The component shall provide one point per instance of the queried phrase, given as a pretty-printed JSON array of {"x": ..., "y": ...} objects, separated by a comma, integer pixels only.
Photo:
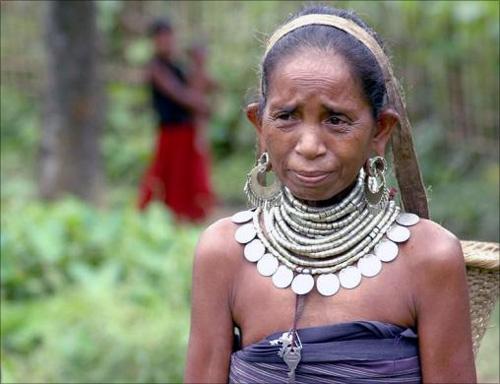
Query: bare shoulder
[
  {"x": 434, "y": 250},
  {"x": 217, "y": 246}
]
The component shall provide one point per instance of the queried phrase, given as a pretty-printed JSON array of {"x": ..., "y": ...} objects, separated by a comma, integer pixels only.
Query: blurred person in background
[{"x": 177, "y": 175}]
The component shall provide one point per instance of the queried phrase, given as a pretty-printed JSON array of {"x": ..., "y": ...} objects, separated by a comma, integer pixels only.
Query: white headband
[{"x": 346, "y": 25}]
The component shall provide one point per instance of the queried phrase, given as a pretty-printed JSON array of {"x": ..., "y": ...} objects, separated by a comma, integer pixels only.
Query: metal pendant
[
  {"x": 290, "y": 351},
  {"x": 291, "y": 357},
  {"x": 350, "y": 277},
  {"x": 386, "y": 250},
  {"x": 242, "y": 217},
  {"x": 282, "y": 277},
  {"x": 254, "y": 250},
  {"x": 398, "y": 234},
  {"x": 267, "y": 265},
  {"x": 245, "y": 233},
  {"x": 407, "y": 219},
  {"x": 327, "y": 284},
  {"x": 369, "y": 265},
  {"x": 302, "y": 284}
]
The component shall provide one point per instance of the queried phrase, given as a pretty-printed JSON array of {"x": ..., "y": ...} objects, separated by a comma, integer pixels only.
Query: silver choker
[{"x": 302, "y": 246}]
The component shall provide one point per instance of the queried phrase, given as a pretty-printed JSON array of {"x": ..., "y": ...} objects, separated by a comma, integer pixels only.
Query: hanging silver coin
[
  {"x": 302, "y": 284},
  {"x": 328, "y": 284},
  {"x": 267, "y": 265},
  {"x": 350, "y": 277},
  {"x": 369, "y": 265},
  {"x": 254, "y": 250},
  {"x": 282, "y": 277},
  {"x": 407, "y": 219},
  {"x": 386, "y": 250},
  {"x": 242, "y": 217},
  {"x": 398, "y": 234},
  {"x": 245, "y": 233}
]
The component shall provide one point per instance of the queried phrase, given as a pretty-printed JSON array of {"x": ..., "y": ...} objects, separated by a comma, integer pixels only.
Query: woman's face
[
  {"x": 317, "y": 125},
  {"x": 164, "y": 43}
]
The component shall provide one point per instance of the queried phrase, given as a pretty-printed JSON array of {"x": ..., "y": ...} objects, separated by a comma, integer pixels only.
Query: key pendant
[
  {"x": 291, "y": 357},
  {"x": 290, "y": 352}
]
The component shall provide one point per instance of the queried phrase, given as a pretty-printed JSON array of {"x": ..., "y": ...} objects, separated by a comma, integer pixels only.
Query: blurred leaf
[{"x": 139, "y": 52}]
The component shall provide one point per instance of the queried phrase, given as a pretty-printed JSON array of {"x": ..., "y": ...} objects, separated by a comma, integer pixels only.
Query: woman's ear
[
  {"x": 386, "y": 122},
  {"x": 252, "y": 111},
  {"x": 253, "y": 116}
]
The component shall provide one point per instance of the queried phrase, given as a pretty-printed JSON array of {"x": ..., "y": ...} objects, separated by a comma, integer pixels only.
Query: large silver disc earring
[
  {"x": 259, "y": 194},
  {"x": 376, "y": 192}
]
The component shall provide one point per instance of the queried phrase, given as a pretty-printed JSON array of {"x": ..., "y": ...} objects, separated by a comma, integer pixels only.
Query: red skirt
[{"x": 178, "y": 175}]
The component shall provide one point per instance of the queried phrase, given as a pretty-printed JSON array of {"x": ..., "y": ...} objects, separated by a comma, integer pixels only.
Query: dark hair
[
  {"x": 361, "y": 60},
  {"x": 159, "y": 26}
]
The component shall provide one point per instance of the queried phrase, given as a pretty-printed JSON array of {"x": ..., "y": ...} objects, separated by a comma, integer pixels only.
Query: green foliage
[
  {"x": 17, "y": 121},
  {"x": 105, "y": 294},
  {"x": 128, "y": 138},
  {"x": 488, "y": 368},
  {"x": 463, "y": 184},
  {"x": 126, "y": 144},
  {"x": 96, "y": 332},
  {"x": 139, "y": 52},
  {"x": 229, "y": 177}
]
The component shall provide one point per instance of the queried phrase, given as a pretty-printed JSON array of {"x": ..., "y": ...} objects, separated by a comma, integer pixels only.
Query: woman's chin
[
  {"x": 312, "y": 188},
  {"x": 320, "y": 196},
  {"x": 311, "y": 194}
]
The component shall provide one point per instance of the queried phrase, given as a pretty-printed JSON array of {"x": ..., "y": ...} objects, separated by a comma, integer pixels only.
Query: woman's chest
[{"x": 259, "y": 308}]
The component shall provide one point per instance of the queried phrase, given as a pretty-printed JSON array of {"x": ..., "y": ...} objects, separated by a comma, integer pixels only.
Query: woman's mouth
[{"x": 310, "y": 177}]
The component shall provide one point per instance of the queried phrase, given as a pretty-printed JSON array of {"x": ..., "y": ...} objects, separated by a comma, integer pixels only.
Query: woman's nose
[{"x": 310, "y": 144}]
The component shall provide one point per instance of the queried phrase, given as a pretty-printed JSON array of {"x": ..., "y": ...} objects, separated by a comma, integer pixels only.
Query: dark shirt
[{"x": 168, "y": 111}]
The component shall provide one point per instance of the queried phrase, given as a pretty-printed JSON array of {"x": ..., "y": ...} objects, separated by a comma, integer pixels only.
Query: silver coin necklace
[{"x": 329, "y": 248}]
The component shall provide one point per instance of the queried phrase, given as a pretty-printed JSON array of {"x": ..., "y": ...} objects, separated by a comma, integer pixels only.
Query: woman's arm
[
  {"x": 177, "y": 91},
  {"x": 211, "y": 336},
  {"x": 442, "y": 306}
]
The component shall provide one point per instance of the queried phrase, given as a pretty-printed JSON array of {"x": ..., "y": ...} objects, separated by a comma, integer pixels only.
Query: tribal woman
[{"x": 328, "y": 279}]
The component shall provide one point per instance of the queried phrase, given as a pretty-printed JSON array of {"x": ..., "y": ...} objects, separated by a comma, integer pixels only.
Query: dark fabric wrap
[{"x": 356, "y": 352}]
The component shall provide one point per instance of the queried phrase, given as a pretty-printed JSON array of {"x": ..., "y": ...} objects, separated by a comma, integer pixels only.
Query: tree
[{"x": 69, "y": 158}]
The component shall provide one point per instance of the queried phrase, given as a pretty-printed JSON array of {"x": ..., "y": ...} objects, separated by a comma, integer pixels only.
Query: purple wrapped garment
[{"x": 355, "y": 352}]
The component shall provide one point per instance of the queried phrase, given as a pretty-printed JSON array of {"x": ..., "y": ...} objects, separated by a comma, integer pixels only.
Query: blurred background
[{"x": 94, "y": 291}]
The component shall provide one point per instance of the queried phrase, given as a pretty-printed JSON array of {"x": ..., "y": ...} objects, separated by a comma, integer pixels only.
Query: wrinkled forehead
[{"x": 313, "y": 69}]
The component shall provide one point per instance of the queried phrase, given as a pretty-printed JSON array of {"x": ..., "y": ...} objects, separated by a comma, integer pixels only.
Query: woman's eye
[
  {"x": 284, "y": 116},
  {"x": 335, "y": 120}
]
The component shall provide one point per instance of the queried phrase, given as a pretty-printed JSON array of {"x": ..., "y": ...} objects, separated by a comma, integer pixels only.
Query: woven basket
[{"x": 482, "y": 261}]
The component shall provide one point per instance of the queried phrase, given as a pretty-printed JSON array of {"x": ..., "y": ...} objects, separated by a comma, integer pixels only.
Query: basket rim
[{"x": 481, "y": 254}]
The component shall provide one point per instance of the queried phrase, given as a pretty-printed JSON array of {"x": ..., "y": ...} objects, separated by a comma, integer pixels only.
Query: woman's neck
[{"x": 332, "y": 200}]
